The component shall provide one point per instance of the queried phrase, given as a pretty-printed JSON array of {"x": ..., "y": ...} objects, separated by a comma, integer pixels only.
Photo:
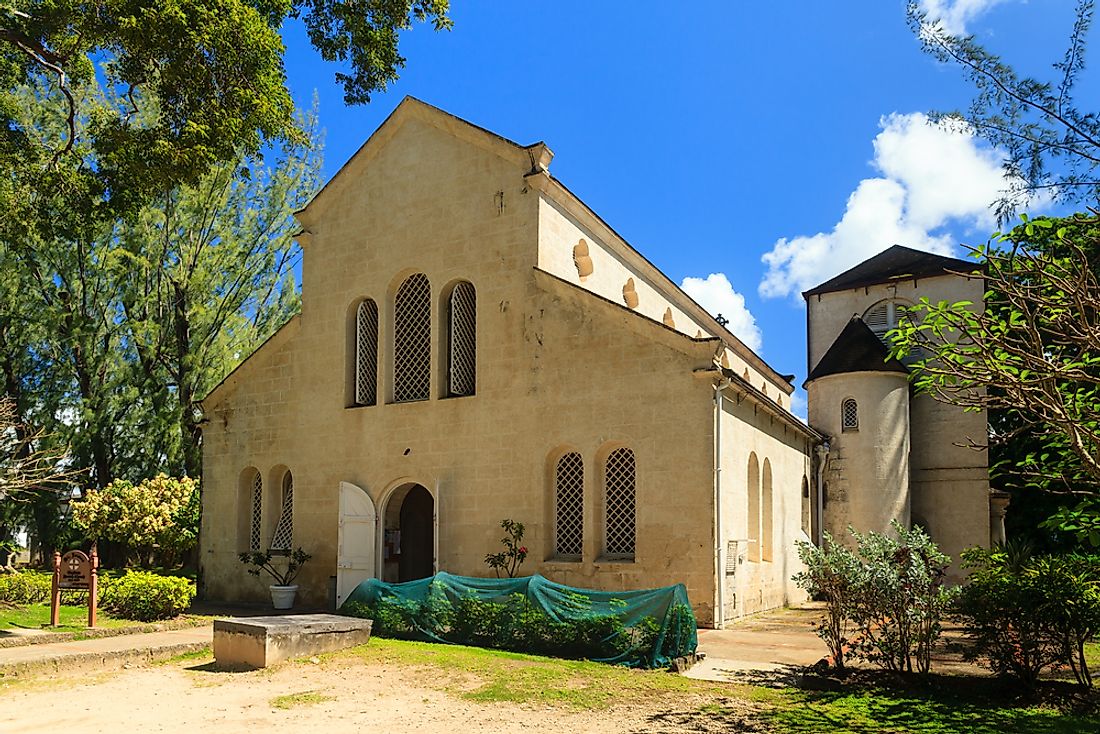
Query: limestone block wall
[
  {"x": 614, "y": 273},
  {"x": 758, "y": 450},
  {"x": 867, "y": 479},
  {"x": 601, "y": 378},
  {"x": 426, "y": 203}
]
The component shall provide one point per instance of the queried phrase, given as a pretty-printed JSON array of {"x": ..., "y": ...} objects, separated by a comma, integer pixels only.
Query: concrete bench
[{"x": 257, "y": 642}]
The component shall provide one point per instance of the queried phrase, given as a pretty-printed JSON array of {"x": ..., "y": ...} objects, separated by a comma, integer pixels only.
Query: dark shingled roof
[
  {"x": 894, "y": 263},
  {"x": 857, "y": 349}
]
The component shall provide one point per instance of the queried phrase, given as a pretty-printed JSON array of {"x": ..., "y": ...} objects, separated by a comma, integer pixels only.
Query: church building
[{"x": 476, "y": 344}]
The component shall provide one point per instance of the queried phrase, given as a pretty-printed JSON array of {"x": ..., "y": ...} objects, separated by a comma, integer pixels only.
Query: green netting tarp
[{"x": 534, "y": 615}]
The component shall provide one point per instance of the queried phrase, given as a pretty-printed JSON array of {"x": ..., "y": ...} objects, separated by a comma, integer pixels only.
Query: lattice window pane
[
  {"x": 619, "y": 503},
  {"x": 366, "y": 353},
  {"x": 412, "y": 347},
  {"x": 569, "y": 501},
  {"x": 849, "y": 414},
  {"x": 255, "y": 527},
  {"x": 463, "y": 344},
  {"x": 284, "y": 530}
]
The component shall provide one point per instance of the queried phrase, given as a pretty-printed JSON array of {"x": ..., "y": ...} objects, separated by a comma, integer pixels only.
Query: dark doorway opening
[{"x": 417, "y": 524}]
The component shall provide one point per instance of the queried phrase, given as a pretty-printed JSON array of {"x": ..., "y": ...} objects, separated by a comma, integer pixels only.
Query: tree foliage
[
  {"x": 1033, "y": 351},
  {"x": 157, "y": 514},
  {"x": 1050, "y": 144},
  {"x": 209, "y": 73},
  {"x": 114, "y": 338}
]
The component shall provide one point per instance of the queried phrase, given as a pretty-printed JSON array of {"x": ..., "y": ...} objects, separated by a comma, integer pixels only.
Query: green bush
[
  {"x": 1024, "y": 615},
  {"x": 884, "y": 601},
  {"x": 25, "y": 587},
  {"x": 147, "y": 597}
]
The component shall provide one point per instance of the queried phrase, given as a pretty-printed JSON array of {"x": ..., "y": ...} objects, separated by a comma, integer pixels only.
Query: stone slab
[{"x": 257, "y": 642}]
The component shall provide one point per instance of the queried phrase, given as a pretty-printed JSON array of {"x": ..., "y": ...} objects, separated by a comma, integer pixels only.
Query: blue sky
[{"x": 715, "y": 135}]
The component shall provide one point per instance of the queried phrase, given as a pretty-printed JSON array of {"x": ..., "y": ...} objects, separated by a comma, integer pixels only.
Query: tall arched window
[
  {"x": 412, "y": 340},
  {"x": 283, "y": 536},
  {"x": 366, "y": 353},
  {"x": 849, "y": 415},
  {"x": 462, "y": 340},
  {"x": 806, "y": 507},
  {"x": 753, "y": 489},
  {"x": 250, "y": 510},
  {"x": 569, "y": 506},
  {"x": 256, "y": 513},
  {"x": 619, "y": 504},
  {"x": 766, "y": 514}
]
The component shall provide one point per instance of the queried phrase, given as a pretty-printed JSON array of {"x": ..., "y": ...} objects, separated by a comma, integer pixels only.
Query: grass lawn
[
  {"x": 946, "y": 707},
  {"x": 35, "y": 616}
]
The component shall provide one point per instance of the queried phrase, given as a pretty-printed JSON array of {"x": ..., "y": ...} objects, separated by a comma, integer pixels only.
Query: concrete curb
[{"x": 97, "y": 661}]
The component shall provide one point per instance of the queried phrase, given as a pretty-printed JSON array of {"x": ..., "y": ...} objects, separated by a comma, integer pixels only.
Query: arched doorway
[{"x": 409, "y": 538}]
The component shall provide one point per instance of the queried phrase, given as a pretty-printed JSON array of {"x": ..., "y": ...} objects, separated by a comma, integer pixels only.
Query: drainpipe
[
  {"x": 822, "y": 451},
  {"x": 720, "y": 571}
]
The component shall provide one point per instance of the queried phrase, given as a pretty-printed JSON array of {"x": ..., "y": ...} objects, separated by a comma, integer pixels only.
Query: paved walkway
[
  {"x": 104, "y": 652},
  {"x": 772, "y": 649}
]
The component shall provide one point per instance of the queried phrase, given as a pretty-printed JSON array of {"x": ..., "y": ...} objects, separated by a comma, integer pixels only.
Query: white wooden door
[{"x": 355, "y": 553}]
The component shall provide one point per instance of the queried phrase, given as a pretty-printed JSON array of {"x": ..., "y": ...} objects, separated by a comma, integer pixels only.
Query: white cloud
[
  {"x": 932, "y": 176},
  {"x": 953, "y": 15},
  {"x": 716, "y": 295}
]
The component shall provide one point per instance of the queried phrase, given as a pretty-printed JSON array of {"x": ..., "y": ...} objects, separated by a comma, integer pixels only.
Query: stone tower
[
  {"x": 859, "y": 396},
  {"x": 892, "y": 455}
]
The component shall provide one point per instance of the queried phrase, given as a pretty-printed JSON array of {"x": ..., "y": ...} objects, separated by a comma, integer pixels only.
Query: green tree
[
  {"x": 210, "y": 71},
  {"x": 154, "y": 516},
  {"x": 112, "y": 337},
  {"x": 1030, "y": 353},
  {"x": 1050, "y": 144}
]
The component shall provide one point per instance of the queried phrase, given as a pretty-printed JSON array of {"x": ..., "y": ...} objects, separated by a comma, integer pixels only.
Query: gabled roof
[
  {"x": 857, "y": 349},
  {"x": 894, "y": 263},
  {"x": 536, "y": 156}
]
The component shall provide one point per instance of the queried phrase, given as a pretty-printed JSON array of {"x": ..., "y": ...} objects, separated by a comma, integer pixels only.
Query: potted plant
[{"x": 284, "y": 588}]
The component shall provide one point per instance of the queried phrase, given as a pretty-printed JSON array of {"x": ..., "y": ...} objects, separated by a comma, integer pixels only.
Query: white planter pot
[{"x": 282, "y": 597}]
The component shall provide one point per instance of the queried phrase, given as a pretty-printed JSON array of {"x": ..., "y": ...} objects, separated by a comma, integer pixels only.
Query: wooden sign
[{"x": 75, "y": 570}]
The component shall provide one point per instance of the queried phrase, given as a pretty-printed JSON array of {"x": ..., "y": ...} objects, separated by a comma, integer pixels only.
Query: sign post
[{"x": 75, "y": 570}]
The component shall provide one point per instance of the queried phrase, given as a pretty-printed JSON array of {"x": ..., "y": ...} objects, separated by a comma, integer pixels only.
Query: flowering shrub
[
  {"x": 511, "y": 558},
  {"x": 157, "y": 514}
]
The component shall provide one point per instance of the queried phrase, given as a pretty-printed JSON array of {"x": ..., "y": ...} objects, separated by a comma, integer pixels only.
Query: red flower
[{"x": 523, "y": 550}]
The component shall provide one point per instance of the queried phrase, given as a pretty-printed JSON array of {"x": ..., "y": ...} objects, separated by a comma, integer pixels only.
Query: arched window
[
  {"x": 366, "y": 353},
  {"x": 256, "y": 513},
  {"x": 753, "y": 489},
  {"x": 412, "y": 340},
  {"x": 619, "y": 504},
  {"x": 250, "y": 510},
  {"x": 883, "y": 316},
  {"x": 462, "y": 340},
  {"x": 283, "y": 536},
  {"x": 766, "y": 516},
  {"x": 569, "y": 506},
  {"x": 849, "y": 415}
]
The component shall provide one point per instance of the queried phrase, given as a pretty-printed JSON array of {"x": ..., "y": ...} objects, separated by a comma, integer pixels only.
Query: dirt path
[{"x": 341, "y": 696}]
